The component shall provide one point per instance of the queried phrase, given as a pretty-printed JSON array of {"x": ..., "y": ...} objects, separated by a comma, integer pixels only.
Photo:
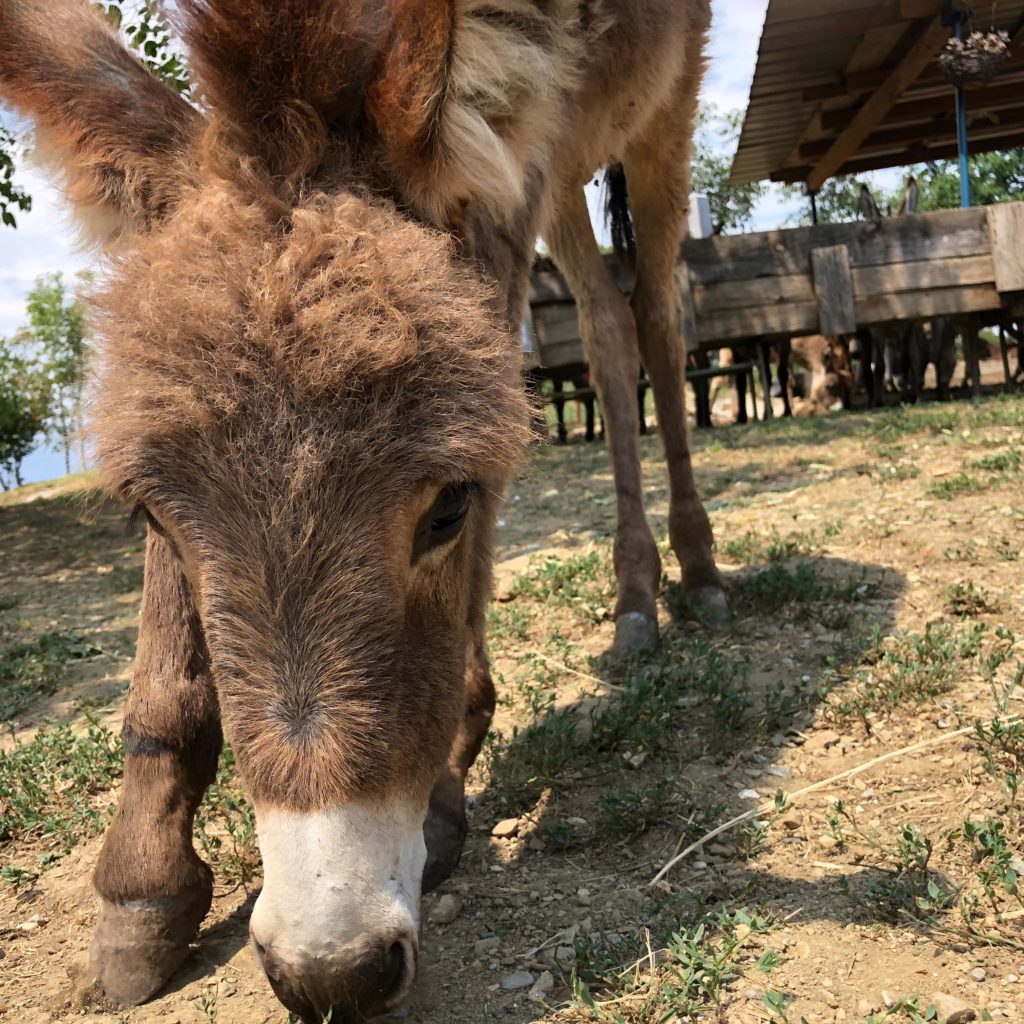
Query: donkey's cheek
[{"x": 337, "y": 882}]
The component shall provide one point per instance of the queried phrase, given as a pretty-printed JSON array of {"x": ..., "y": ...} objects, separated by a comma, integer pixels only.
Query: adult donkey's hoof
[
  {"x": 444, "y": 832},
  {"x": 139, "y": 944},
  {"x": 634, "y": 632},
  {"x": 710, "y": 605}
]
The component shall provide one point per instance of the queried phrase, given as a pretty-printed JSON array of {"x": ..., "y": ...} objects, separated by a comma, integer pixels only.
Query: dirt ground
[{"x": 872, "y": 563}]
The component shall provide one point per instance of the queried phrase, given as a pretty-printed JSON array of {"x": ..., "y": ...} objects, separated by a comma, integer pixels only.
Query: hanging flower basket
[{"x": 974, "y": 61}]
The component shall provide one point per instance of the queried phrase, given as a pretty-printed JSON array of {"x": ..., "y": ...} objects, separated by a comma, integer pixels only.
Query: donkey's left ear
[
  {"x": 407, "y": 91},
  {"x": 121, "y": 142}
]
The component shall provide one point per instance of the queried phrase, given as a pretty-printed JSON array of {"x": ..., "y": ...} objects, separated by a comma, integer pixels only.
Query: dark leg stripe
[{"x": 145, "y": 746}]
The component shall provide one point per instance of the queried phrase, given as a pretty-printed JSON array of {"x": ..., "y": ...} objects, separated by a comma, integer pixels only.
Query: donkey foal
[{"x": 308, "y": 385}]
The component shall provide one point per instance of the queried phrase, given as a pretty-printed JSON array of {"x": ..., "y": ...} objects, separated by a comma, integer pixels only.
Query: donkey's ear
[
  {"x": 122, "y": 142},
  {"x": 406, "y": 95}
]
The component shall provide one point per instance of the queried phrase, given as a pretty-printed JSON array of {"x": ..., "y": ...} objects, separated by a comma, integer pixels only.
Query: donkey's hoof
[
  {"x": 710, "y": 605},
  {"x": 444, "y": 832},
  {"x": 634, "y": 632},
  {"x": 139, "y": 944}
]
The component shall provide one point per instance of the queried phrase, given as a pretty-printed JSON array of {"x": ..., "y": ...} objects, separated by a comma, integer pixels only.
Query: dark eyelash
[{"x": 135, "y": 518}]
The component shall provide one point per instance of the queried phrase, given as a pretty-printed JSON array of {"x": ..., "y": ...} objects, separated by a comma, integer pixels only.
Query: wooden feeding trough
[{"x": 833, "y": 279}]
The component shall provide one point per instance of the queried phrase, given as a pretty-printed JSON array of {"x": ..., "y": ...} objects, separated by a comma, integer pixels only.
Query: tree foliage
[
  {"x": 54, "y": 344},
  {"x": 22, "y": 412},
  {"x": 144, "y": 27},
  {"x": 996, "y": 177},
  {"x": 714, "y": 142}
]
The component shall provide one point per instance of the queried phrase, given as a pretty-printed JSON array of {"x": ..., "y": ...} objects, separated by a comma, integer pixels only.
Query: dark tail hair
[{"x": 618, "y": 216}]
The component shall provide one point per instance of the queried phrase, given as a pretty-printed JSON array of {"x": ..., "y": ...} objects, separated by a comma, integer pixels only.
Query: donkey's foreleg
[
  {"x": 609, "y": 340},
  {"x": 153, "y": 889},
  {"x": 445, "y": 828},
  {"x": 657, "y": 169}
]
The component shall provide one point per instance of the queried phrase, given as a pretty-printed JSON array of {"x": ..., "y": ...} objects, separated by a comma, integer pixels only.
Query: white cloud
[{"x": 44, "y": 241}]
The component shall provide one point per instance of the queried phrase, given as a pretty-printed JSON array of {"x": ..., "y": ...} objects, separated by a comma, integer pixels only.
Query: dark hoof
[
  {"x": 710, "y": 605},
  {"x": 445, "y": 835},
  {"x": 139, "y": 944},
  {"x": 634, "y": 632}
]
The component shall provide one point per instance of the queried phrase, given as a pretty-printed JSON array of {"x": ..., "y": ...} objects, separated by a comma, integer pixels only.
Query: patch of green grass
[
  {"x": 639, "y": 718},
  {"x": 52, "y": 788},
  {"x": 225, "y": 825},
  {"x": 36, "y": 669},
  {"x": 953, "y": 487},
  {"x": 908, "y": 668},
  {"x": 583, "y": 584},
  {"x": 965, "y": 600},
  {"x": 1002, "y": 462},
  {"x": 627, "y": 812},
  {"x": 800, "y": 588},
  {"x": 687, "y": 975},
  {"x": 753, "y": 547}
]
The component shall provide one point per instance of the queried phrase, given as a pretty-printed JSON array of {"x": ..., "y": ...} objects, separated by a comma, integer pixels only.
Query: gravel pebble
[
  {"x": 506, "y": 828},
  {"x": 979, "y": 974},
  {"x": 446, "y": 909},
  {"x": 516, "y": 980}
]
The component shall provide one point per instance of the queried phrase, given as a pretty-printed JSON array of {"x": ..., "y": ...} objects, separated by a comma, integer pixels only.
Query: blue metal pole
[{"x": 961, "y": 134}]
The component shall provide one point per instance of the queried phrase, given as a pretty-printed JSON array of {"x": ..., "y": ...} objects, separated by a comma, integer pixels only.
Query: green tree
[
  {"x": 714, "y": 142},
  {"x": 838, "y": 199},
  {"x": 22, "y": 413},
  {"x": 996, "y": 177},
  {"x": 54, "y": 341},
  {"x": 144, "y": 26}
]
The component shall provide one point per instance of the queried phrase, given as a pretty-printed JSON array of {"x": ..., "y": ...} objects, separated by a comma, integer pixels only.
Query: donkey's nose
[{"x": 341, "y": 988}]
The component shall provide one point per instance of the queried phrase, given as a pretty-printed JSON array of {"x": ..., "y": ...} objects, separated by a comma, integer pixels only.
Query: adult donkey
[{"x": 308, "y": 386}]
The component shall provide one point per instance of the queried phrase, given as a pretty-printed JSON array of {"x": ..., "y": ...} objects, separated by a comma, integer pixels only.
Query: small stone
[
  {"x": 576, "y": 822},
  {"x": 34, "y": 923},
  {"x": 827, "y": 842},
  {"x": 446, "y": 909},
  {"x": 888, "y": 999},
  {"x": 517, "y": 980},
  {"x": 583, "y": 897},
  {"x": 979, "y": 974},
  {"x": 792, "y": 820},
  {"x": 488, "y": 945},
  {"x": 951, "y": 1010},
  {"x": 506, "y": 828},
  {"x": 749, "y": 794},
  {"x": 866, "y": 1008},
  {"x": 781, "y": 771},
  {"x": 542, "y": 986},
  {"x": 637, "y": 760},
  {"x": 565, "y": 955}
]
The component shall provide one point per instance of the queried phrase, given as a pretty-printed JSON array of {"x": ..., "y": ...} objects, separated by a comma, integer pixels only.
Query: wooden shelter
[{"x": 846, "y": 86}]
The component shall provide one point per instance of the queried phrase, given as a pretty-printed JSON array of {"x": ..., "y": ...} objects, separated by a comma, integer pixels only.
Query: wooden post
[
  {"x": 1005, "y": 353},
  {"x": 833, "y": 288},
  {"x": 766, "y": 379}
]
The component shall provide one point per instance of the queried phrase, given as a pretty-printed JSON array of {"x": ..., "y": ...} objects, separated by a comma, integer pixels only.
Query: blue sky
[{"x": 45, "y": 241}]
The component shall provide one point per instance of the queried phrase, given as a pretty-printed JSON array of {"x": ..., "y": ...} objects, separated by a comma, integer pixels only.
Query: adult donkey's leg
[
  {"x": 609, "y": 340},
  {"x": 154, "y": 890},
  {"x": 657, "y": 172}
]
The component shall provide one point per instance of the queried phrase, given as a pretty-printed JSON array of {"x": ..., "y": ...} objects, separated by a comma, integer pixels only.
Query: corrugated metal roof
[{"x": 820, "y": 61}]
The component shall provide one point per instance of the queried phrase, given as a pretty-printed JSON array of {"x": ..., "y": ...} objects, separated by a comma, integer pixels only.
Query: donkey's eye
[{"x": 445, "y": 519}]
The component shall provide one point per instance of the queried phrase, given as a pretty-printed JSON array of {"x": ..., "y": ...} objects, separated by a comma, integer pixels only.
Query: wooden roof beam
[
  {"x": 880, "y": 102},
  {"x": 989, "y": 98}
]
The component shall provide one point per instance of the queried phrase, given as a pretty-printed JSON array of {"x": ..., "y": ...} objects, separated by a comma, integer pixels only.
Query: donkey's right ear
[{"x": 122, "y": 143}]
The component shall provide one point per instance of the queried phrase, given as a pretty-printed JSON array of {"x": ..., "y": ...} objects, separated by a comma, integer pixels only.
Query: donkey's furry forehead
[{"x": 345, "y": 325}]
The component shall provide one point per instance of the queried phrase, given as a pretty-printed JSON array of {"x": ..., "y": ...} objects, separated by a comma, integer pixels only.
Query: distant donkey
[{"x": 309, "y": 386}]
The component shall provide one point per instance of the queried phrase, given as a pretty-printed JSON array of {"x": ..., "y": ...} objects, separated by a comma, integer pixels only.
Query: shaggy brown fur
[
  {"x": 277, "y": 402},
  {"x": 299, "y": 352}
]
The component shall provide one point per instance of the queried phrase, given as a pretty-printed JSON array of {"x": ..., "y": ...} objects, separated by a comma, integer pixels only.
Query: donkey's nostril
[{"x": 392, "y": 977}]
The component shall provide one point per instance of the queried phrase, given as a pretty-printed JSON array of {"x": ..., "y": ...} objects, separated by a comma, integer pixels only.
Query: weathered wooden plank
[
  {"x": 758, "y": 291},
  {"x": 688, "y": 317},
  {"x": 944, "y": 235},
  {"x": 935, "y": 302},
  {"x": 741, "y": 324},
  {"x": 1006, "y": 225},
  {"x": 833, "y": 288},
  {"x": 922, "y": 274}
]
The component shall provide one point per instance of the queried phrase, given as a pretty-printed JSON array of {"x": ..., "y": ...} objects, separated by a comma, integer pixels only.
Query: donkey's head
[{"x": 315, "y": 407}]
